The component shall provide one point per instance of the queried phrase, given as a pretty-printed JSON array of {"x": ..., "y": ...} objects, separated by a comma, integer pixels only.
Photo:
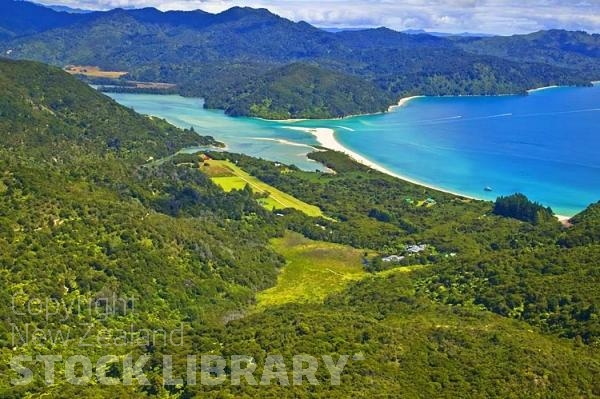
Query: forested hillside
[
  {"x": 302, "y": 91},
  {"x": 234, "y": 58},
  {"x": 92, "y": 205},
  {"x": 577, "y": 50},
  {"x": 82, "y": 218}
]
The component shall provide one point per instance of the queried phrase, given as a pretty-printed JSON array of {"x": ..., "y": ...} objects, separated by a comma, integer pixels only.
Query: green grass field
[
  {"x": 314, "y": 270},
  {"x": 230, "y": 177},
  {"x": 229, "y": 183}
]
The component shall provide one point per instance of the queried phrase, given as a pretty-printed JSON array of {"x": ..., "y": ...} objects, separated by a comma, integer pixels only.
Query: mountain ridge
[{"x": 217, "y": 56}]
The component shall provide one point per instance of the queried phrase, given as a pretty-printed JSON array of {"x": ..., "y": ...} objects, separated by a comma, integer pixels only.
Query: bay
[{"x": 545, "y": 145}]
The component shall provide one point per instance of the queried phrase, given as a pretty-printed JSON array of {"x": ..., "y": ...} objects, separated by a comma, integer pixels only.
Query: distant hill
[
  {"x": 304, "y": 91},
  {"x": 18, "y": 18},
  {"x": 225, "y": 57},
  {"x": 337, "y": 30},
  {"x": 565, "y": 49},
  {"x": 444, "y": 34},
  {"x": 69, "y": 9}
]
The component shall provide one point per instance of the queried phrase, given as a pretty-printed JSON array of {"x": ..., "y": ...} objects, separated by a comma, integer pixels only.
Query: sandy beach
[
  {"x": 542, "y": 88},
  {"x": 403, "y": 102}
]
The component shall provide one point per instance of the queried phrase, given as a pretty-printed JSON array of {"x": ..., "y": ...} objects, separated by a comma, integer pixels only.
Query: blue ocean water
[{"x": 545, "y": 145}]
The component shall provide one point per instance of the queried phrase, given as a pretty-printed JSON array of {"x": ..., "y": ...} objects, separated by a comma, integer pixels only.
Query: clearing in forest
[
  {"x": 231, "y": 177},
  {"x": 314, "y": 270}
]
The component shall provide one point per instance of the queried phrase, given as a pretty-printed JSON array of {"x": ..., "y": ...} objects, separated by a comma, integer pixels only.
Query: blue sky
[{"x": 486, "y": 16}]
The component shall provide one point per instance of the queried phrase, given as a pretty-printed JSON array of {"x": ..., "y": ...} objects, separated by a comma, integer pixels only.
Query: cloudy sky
[{"x": 485, "y": 16}]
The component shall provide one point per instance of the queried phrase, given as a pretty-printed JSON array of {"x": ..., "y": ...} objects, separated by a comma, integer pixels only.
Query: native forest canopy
[
  {"x": 95, "y": 203},
  {"x": 252, "y": 62},
  {"x": 122, "y": 235}
]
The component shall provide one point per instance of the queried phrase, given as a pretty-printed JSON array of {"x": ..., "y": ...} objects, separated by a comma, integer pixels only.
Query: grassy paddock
[
  {"x": 94, "y": 72},
  {"x": 229, "y": 183},
  {"x": 230, "y": 177},
  {"x": 314, "y": 270}
]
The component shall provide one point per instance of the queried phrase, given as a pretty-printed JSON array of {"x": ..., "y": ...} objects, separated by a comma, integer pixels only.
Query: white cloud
[{"x": 488, "y": 16}]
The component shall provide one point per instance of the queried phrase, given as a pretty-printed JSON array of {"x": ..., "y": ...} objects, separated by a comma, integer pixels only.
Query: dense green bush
[{"x": 92, "y": 203}]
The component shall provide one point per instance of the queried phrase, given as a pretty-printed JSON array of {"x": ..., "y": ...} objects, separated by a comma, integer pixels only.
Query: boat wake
[
  {"x": 496, "y": 116},
  {"x": 448, "y": 118}
]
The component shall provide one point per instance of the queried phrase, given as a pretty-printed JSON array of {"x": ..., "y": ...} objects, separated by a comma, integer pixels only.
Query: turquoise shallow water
[
  {"x": 546, "y": 145},
  {"x": 256, "y": 137}
]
